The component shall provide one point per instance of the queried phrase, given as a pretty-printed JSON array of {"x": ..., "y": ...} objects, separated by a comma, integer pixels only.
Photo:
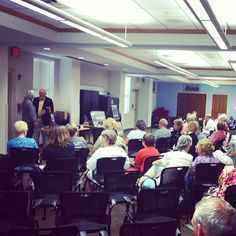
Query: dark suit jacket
[{"x": 48, "y": 103}]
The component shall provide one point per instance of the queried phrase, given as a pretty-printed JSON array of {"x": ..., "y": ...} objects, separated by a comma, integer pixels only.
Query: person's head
[
  {"x": 214, "y": 217},
  {"x": 110, "y": 124},
  {"x": 184, "y": 143},
  {"x": 21, "y": 128},
  {"x": 220, "y": 126},
  {"x": 193, "y": 126},
  {"x": 222, "y": 117},
  {"x": 191, "y": 117},
  {"x": 42, "y": 93},
  {"x": 72, "y": 128},
  {"x": 140, "y": 124},
  {"x": 205, "y": 147},
  {"x": 60, "y": 136},
  {"x": 30, "y": 94},
  {"x": 207, "y": 117},
  {"x": 108, "y": 137},
  {"x": 149, "y": 139},
  {"x": 163, "y": 123},
  {"x": 178, "y": 124}
]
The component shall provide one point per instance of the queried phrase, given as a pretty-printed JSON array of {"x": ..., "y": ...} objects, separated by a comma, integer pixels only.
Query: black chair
[
  {"x": 47, "y": 187},
  {"x": 24, "y": 159},
  {"x": 219, "y": 144},
  {"x": 153, "y": 203},
  {"x": 87, "y": 211},
  {"x": 121, "y": 186},
  {"x": 134, "y": 145},
  {"x": 82, "y": 155},
  {"x": 59, "y": 231},
  {"x": 166, "y": 226},
  {"x": 66, "y": 165},
  {"x": 230, "y": 195},
  {"x": 148, "y": 162},
  {"x": 162, "y": 145},
  {"x": 15, "y": 209},
  {"x": 105, "y": 165}
]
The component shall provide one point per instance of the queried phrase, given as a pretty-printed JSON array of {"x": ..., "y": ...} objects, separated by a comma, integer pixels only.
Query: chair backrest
[
  {"x": 82, "y": 155},
  {"x": 24, "y": 156},
  {"x": 173, "y": 176},
  {"x": 162, "y": 144},
  {"x": 52, "y": 182},
  {"x": 134, "y": 145},
  {"x": 219, "y": 144},
  {"x": 59, "y": 231},
  {"x": 161, "y": 201},
  {"x": 121, "y": 182},
  {"x": 165, "y": 227},
  {"x": 84, "y": 205},
  {"x": 209, "y": 172},
  {"x": 5, "y": 178},
  {"x": 13, "y": 204},
  {"x": 109, "y": 164},
  {"x": 148, "y": 162},
  {"x": 230, "y": 195}
]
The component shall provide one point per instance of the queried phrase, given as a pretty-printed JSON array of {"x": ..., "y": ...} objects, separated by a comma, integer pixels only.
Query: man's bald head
[{"x": 42, "y": 93}]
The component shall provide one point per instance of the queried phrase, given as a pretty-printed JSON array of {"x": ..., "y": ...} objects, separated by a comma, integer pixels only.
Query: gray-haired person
[
  {"x": 29, "y": 113},
  {"x": 214, "y": 217}
]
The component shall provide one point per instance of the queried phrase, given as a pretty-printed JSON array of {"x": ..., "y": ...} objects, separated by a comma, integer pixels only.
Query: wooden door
[
  {"x": 188, "y": 102},
  {"x": 219, "y": 104}
]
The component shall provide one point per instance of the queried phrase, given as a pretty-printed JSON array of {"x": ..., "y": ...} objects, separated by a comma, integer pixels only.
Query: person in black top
[{"x": 175, "y": 133}]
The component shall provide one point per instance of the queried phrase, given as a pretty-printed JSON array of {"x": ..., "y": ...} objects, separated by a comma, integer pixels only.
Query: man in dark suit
[{"x": 44, "y": 106}]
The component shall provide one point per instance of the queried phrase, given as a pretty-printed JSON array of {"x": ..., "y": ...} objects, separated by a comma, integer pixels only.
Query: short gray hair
[
  {"x": 30, "y": 94},
  {"x": 110, "y": 136},
  {"x": 184, "y": 141},
  {"x": 163, "y": 122},
  {"x": 217, "y": 216}
]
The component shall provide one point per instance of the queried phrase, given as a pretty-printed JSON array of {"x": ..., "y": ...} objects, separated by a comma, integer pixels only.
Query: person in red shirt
[{"x": 147, "y": 151}]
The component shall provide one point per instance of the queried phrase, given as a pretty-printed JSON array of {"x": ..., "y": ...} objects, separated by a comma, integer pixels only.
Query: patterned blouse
[
  {"x": 21, "y": 142},
  {"x": 226, "y": 179}
]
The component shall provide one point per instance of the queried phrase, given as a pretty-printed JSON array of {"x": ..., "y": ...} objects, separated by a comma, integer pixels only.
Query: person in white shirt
[
  {"x": 170, "y": 159},
  {"x": 210, "y": 124},
  {"x": 137, "y": 133},
  {"x": 108, "y": 139}
]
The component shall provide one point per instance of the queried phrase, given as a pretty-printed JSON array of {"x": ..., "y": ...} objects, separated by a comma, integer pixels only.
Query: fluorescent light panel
[
  {"x": 37, "y": 9},
  {"x": 78, "y": 23},
  {"x": 210, "y": 83},
  {"x": 205, "y": 15},
  {"x": 175, "y": 68},
  {"x": 233, "y": 64}
]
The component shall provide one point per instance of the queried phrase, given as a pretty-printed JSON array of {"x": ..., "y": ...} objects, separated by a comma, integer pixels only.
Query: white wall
[{"x": 3, "y": 98}]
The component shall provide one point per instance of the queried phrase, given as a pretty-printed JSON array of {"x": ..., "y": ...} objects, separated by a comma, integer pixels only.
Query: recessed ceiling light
[
  {"x": 125, "y": 69},
  {"x": 82, "y": 58},
  {"x": 105, "y": 64},
  {"x": 47, "y": 49}
]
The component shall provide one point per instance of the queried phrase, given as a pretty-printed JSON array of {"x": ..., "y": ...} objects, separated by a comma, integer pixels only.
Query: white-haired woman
[
  {"x": 170, "y": 159},
  {"x": 21, "y": 141}
]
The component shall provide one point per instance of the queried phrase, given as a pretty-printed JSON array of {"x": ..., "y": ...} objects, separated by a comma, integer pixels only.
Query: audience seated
[
  {"x": 138, "y": 132},
  {"x": 79, "y": 142},
  {"x": 205, "y": 153},
  {"x": 170, "y": 159},
  {"x": 162, "y": 132},
  {"x": 226, "y": 158},
  {"x": 199, "y": 133},
  {"x": 59, "y": 145},
  {"x": 223, "y": 119},
  {"x": 226, "y": 178},
  {"x": 231, "y": 123},
  {"x": 108, "y": 149},
  {"x": 110, "y": 124},
  {"x": 175, "y": 133},
  {"x": 21, "y": 141},
  {"x": 209, "y": 124},
  {"x": 147, "y": 151},
  {"x": 214, "y": 217},
  {"x": 219, "y": 134},
  {"x": 190, "y": 117},
  {"x": 193, "y": 127}
]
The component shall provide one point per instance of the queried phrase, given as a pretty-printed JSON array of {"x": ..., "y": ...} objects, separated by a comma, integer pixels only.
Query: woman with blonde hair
[
  {"x": 205, "y": 150},
  {"x": 59, "y": 145},
  {"x": 193, "y": 127},
  {"x": 109, "y": 124},
  {"x": 21, "y": 141}
]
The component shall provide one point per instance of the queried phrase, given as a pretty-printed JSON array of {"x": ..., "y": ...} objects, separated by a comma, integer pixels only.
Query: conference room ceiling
[{"x": 157, "y": 29}]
